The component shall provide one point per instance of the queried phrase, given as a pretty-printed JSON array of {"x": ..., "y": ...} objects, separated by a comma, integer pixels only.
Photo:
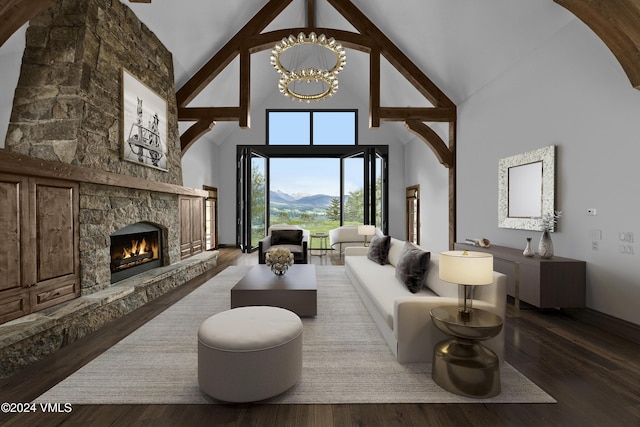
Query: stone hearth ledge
[{"x": 33, "y": 337}]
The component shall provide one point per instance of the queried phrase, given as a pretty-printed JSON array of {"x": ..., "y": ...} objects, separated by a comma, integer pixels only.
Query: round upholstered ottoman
[{"x": 248, "y": 354}]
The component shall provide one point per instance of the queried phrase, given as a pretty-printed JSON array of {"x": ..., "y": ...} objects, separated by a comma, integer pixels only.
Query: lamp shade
[
  {"x": 366, "y": 230},
  {"x": 466, "y": 268}
]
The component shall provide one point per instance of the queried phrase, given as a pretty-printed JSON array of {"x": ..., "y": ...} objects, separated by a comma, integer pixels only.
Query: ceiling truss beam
[
  {"x": 15, "y": 13},
  {"x": 617, "y": 23},
  {"x": 437, "y": 145}
]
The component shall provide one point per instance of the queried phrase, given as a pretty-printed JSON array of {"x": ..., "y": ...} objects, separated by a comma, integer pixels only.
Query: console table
[{"x": 544, "y": 283}]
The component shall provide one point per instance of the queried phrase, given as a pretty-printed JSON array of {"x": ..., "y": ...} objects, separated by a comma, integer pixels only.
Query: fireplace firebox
[{"x": 135, "y": 248}]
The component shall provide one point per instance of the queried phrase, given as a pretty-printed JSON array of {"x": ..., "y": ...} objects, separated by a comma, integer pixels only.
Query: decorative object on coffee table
[{"x": 279, "y": 259}]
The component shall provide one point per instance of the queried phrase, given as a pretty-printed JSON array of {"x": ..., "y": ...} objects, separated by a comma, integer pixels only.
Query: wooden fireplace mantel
[{"x": 15, "y": 163}]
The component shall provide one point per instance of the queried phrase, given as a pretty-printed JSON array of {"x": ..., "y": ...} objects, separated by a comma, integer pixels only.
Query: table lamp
[
  {"x": 468, "y": 270},
  {"x": 366, "y": 230}
]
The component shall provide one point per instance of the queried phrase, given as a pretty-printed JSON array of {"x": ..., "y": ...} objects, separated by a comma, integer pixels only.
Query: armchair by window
[{"x": 293, "y": 238}]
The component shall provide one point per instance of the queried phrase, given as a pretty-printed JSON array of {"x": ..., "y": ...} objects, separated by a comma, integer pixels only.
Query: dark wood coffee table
[{"x": 295, "y": 291}]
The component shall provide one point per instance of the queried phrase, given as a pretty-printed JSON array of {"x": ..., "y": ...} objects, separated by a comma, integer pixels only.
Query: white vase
[
  {"x": 545, "y": 247},
  {"x": 527, "y": 250}
]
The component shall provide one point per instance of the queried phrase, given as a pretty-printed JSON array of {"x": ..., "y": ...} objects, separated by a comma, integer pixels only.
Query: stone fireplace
[
  {"x": 69, "y": 110},
  {"x": 66, "y": 127}
]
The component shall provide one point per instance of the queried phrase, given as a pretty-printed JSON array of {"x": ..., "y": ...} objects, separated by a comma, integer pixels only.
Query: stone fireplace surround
[
  {"x": 103, "y": 210},
  {"x": 65, "y": 124}
]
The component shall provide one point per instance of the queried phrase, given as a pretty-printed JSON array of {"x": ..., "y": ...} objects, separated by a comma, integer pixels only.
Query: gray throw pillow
[
  {"x": 379, "y": 249},
  {"x": 412, "y": 266}
]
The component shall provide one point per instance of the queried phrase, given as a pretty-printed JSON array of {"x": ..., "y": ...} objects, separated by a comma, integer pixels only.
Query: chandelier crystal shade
[{"x": 324, "y": 77}]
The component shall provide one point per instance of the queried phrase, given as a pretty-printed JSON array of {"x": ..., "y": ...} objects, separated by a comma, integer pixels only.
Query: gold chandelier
[{"x": 322, "y": 75}]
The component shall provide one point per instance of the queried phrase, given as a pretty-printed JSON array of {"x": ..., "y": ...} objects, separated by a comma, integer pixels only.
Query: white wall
[
  {"x": 200, "y": 167},
  {"x": 423, "y": 168},
  {"x": 570, "y": 92}
]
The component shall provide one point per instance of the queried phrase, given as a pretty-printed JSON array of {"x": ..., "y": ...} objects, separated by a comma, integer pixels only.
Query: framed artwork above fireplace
[{"x": 144, "y": 124}]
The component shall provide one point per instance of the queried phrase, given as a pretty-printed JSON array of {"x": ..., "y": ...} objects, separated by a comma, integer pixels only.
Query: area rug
[{"x": 345, "y": 358}]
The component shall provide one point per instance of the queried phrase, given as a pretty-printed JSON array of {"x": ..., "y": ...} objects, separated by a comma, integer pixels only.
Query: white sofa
[
  {"x": 347, "y": 236},
  {"x": 403, "y": 317}
]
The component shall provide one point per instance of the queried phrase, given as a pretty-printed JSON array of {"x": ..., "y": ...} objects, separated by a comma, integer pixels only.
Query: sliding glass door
[
  {"x": 314, "y": 187},
  {"x": 252, "y": 198},
  {"x": 353, "y": 189}
]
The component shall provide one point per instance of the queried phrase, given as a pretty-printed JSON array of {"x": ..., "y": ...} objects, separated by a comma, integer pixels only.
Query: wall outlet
[
  {"x": 625, "y": 236},
  {"x": 626, "y": 249},
  {"x": 592, "y": 212}
]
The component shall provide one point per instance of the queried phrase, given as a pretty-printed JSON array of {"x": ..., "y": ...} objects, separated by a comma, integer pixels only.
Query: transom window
[{"x": 312, "y": 127}]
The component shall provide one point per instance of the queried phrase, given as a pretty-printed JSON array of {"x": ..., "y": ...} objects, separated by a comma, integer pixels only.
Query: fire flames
[
  {"x": 138, "y": 251},
  {"x": 139, "y": 248}
]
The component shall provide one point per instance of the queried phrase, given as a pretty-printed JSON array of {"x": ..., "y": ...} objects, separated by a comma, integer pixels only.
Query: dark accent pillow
[
  {"x": 286, "y": 237},
  {"x": 379, "y": 249},
  {"x": 412, "y": 266}
]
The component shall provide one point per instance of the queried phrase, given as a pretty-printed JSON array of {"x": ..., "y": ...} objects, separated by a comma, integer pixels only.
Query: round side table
[
  {"x": 324, "y": 246},
  {"x": 461, "y": 364}
]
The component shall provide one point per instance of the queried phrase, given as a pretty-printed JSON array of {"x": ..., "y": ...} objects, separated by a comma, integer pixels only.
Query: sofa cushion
[
  {"x": 286, "y": 237},
  {"x": 379, "y": 249},
  {"x": 380, "y": 285},
  {"x": 412, "y": 266},
  {"x": 395, "y": 249}
]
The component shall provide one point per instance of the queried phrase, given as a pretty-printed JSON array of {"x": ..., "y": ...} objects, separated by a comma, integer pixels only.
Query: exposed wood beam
[
  {"x": 617, "y": 23},
  {"x": 191, "y": 135},
  {"x": 15, "y": 13},
  {"x": 139, "y": 1},
  {"x": 437, "y": 145},
  {"x": 393, "y": 54},
  {"x": 311, "y": 13},
  {"x": 428, "y": 114},
  {"x": 453, "y": 187},
  {"x": 245, "y": 88},
  {"x": 224, "y": 56},
  {"x": 374, "y": 88}
]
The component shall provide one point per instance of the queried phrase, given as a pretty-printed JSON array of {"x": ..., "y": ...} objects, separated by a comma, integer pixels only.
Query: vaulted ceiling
[{"x": 460, "y": 45}]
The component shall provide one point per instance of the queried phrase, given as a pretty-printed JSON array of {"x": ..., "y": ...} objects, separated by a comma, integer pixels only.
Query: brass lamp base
[{"x": 466, "y": 368}]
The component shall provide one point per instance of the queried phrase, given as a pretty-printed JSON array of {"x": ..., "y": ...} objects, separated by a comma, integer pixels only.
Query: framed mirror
[{"x": 526, "y": 189}]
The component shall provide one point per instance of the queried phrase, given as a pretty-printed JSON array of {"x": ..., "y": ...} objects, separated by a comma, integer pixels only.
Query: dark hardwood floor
[{"x": 594, "y": 376}]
